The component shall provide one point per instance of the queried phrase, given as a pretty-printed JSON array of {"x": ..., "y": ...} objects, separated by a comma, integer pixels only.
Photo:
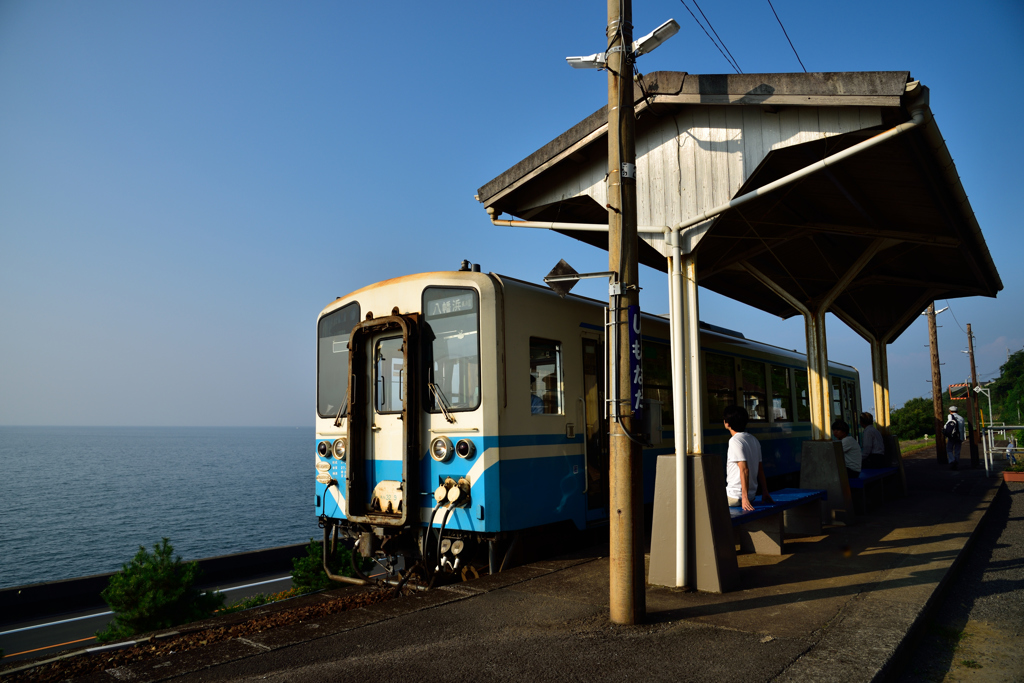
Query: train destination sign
[{"x": 463, "y": 302}]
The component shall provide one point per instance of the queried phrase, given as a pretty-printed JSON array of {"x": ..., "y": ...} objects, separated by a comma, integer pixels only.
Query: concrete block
[
  {"x": 804, "y": 520},
  {"x": 822, "y": 467},
  {"x": 712, "y": 556},
  {"x": 762, "y": 536}
]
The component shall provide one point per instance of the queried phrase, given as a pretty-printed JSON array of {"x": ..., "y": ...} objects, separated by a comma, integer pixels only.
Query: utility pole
[
  {"x": 627, "y": 598},
  {"x": 940, "y": 416},
  {"x": 970, "y": 400}
]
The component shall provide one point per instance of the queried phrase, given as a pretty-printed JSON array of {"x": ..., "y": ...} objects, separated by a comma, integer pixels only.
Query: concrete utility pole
[
  {"x": 627, "y": 598},
  {"x": 940, "y": 414},
  {"x": 972, "y": 409}
]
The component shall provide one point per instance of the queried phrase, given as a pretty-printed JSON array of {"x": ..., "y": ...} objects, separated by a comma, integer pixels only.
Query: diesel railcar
[{"x": 457, "y": 409}]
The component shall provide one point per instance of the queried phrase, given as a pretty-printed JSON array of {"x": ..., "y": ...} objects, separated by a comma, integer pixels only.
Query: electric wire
[
  {"x": 785, "y": 33},
  {"x": 954, "y": 317},
  {"x": 724, "y": 46},
  {"x": 735, "y": 67}
]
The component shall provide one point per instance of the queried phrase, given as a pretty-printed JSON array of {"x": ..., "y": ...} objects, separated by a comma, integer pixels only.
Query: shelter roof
[{"x": 704, "y": 139}]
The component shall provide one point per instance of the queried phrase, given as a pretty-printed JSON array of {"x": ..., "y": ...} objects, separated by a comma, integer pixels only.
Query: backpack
[{"x": 950, "y": 430}]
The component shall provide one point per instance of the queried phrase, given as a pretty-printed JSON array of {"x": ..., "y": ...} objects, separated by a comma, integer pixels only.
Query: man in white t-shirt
[{"x": 743, "y": 470}]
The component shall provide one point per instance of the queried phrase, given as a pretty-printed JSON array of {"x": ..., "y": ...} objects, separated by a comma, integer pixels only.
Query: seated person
[
  {"x": 743, "y": 470},
  {"x": 874, "y": 445},
  {"x": 851, "y": 450}
]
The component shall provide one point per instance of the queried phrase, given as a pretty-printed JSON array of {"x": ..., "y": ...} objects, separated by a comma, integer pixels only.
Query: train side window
[
  {"x": 755, "y": 390},
  {"x": 657, "y": 373},
  {"x": 452, "y": 346},
  {"x": 545, "y": 377},
  {"x": 720, "y": 384},
  {"x": 782, "y": 395},
  {"x": 803, "y": 401}
]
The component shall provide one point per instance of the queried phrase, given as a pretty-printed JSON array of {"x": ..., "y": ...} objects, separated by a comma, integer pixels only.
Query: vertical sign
[{"x": 636, "y": 373}]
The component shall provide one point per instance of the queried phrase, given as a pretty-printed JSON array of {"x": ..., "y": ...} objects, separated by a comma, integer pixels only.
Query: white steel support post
[{"x": 679, "y": 410}]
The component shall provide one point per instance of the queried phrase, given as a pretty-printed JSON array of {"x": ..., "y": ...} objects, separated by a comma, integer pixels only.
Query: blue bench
[
  {"x": 870, "y": 487},
  {"x": 792, "y": 511}
]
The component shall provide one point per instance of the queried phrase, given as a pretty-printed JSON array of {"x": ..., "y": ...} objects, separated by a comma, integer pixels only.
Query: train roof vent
[{"x": 721, "y": 330}]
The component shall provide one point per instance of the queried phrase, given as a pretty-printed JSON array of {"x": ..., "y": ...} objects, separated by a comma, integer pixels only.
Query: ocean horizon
[{"x": 77, "y": 501}]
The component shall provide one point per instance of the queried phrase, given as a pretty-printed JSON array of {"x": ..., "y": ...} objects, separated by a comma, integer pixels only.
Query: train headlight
[
  {"x": 441, "y": 449},
  {"x": 340, "y": 448},
  {"x": 324, "y": 449},
  {"x": 465, "y": 449}
]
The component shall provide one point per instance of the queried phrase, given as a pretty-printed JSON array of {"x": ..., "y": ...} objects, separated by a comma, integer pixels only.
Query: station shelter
[{"x": 792, "y": 193}]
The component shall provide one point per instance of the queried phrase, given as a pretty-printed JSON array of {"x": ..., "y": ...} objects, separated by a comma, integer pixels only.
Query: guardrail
[{"x": 56, "y": 597}]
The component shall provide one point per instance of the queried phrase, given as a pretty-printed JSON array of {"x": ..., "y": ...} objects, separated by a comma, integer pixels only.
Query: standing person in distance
[
  {"x": 872, "y": 443},
  {"x": 955, "y": 431},
  {"x": 851, "y": 449},
  {"x": 743, "y": 471}
]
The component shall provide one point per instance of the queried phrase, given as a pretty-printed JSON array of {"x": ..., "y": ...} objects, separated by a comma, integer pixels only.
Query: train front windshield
[
  {"x": 452, "y": 323},
  {"x": 332, "y": 359}
]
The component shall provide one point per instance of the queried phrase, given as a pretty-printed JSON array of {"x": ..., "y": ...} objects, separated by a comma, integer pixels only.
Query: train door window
[
  {"x": 837, "y": 399},
  {"x": 333, "y": 332},
  {"x": 452, "y": 344},
  {"x": 545, "y": 377},
  {"x": 657, "y": 373},
  {"x": 755, "y": 390},
  {"x": 782, "y": 395},
  {"x": 803, "y": 400},
  {"x": 720, "y": 383},
  {"x": 850, "y": 412},
  {"x": 389, "y": 375}
]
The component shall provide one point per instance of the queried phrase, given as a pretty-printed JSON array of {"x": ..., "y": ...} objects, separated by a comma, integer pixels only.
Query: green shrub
[
  {"x": 155, "y": 591},
  {"x": 308, "y": 572},
  {"x": 915, "y": 419}
]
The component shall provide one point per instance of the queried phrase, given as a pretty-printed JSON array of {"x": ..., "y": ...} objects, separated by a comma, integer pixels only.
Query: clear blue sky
[{"x": 185, "y": 185}]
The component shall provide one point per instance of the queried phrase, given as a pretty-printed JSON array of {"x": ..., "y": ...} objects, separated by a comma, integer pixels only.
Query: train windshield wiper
[
  {"x": 442, "y": 401},
  {"x": 341, "y": 410}
]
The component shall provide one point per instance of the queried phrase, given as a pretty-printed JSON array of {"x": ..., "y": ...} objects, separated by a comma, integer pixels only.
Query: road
[{"x": 39, "y": 637}]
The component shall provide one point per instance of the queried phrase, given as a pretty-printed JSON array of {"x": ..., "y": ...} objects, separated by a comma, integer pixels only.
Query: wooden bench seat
[
  {"x": 874, "y": 486},
  {"x": 793, "y": 511}
]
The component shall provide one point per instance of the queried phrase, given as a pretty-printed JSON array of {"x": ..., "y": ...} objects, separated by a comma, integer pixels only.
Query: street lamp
[{"x": 641, "y": 46}]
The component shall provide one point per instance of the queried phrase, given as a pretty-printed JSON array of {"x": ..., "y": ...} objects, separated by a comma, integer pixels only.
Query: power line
[
  {"x": 732, "y": 63},
  {"x": 718, "y": 36},
  {"x": 954, "y": 317},
  {"x": 785, "y": 33}
]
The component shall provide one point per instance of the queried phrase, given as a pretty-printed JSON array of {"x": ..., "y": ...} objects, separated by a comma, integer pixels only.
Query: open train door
[
  {"x": 383, "y": 425},
  {"x": 595, "y": 425}
]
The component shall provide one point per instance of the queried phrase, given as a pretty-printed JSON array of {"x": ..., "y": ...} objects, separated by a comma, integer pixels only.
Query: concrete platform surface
[{"x": 836, "y": 607}]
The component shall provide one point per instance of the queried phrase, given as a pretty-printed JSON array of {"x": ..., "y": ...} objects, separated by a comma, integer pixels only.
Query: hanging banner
[{"x": 636, "y": 372}]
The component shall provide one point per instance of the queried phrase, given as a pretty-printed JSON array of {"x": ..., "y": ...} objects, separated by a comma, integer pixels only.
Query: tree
[
  {"x": 155, "y": 591},
  {"x": 1008, "y": 390},
  {"x": 915, "y": 419}
]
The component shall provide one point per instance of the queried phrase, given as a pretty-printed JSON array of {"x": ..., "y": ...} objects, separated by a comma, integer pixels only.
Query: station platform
[{"x": 835, "y": 607}]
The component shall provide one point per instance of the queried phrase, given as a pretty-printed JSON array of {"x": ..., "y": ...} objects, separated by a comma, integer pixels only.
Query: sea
[{"x": 77, "y": 501}]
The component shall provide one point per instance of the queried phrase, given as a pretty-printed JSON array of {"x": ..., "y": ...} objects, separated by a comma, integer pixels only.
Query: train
[{"x": 457, "y": 410}]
